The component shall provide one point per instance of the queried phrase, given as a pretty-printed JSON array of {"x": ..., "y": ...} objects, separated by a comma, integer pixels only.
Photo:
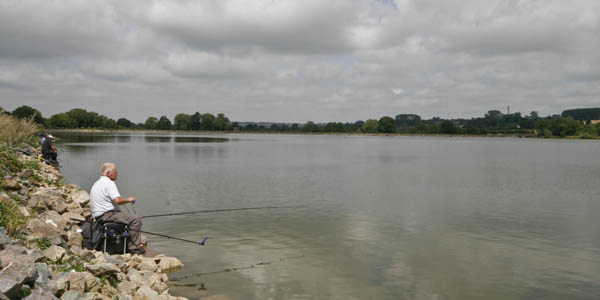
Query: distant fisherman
[
  {"x": 49, "y": 152},
  {"x": 105, "y": 200}
]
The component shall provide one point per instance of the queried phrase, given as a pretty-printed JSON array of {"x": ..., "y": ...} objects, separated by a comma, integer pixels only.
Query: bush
[
  {"x": 18, "y": 132},
  {"x": 9, "y": 163},
  {"x": 10, "y": 217}
]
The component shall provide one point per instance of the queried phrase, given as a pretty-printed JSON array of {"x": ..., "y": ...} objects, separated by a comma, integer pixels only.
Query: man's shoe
[{"x": 137, "y": 251}]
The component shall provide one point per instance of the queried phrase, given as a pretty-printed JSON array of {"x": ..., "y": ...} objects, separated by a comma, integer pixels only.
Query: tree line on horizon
[{"x": 572, "y": 122}]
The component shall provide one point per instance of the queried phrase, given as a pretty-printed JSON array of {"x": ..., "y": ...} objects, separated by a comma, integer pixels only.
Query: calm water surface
[{"x": 382, "y": 217}]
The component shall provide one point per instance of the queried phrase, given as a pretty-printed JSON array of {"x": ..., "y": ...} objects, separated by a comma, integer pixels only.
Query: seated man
[
  {"x": 49, "y": 152},
  {"x": 105, "y": 200}
]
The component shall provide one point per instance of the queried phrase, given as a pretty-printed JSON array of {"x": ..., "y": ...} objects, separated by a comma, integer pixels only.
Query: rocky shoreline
[{"x": 45, "y": 259}]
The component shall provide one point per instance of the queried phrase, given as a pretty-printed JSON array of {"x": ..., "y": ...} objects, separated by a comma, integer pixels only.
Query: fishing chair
[{"x": 114, "y": 236}]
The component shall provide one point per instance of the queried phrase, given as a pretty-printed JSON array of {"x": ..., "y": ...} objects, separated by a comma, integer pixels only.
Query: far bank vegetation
[{"x": 574, "y": 123}]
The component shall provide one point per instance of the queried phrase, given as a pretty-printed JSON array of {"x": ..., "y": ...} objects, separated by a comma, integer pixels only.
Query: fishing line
[
  {"x": 220, "y": 210},
  {"x": 262, "y": 263}
]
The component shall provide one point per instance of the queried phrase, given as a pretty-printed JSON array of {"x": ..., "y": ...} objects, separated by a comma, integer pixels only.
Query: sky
[{"x": 299, "y": 61}]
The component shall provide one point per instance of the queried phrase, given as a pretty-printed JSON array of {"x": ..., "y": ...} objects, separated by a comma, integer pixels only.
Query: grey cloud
[
  {"x": 292, "y": 27},
  {"x": 300, "y": 60}
]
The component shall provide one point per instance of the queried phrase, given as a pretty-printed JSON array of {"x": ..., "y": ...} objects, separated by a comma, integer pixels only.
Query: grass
[
  {"x": 9, "y": 164},
  {"x": 11, "y": 218},
  {"x": 18, "y": 132},
  {"x": 32, "y": 164},
  {"x": 73, "y": 263},
  {"x": 42, "y": 243}
]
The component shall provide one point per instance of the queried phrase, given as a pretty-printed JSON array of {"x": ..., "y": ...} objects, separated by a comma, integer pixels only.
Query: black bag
[{"x": 91, "y": 231}]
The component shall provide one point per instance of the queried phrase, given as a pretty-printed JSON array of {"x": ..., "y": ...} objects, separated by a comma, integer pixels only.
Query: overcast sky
[{"x": 300, "y": 60}]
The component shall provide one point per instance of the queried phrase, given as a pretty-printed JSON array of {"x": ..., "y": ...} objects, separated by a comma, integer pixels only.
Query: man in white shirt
[{"x": 105, "y": 200}]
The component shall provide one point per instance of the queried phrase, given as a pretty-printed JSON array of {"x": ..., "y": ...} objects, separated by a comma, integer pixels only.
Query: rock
[
  {"x": 40, "y": 229},
  {"x": 4, "y": 238},
  {"x": 58, "y": 240},
  {"x": 9, "y": 287},
  {"x": 74, "y": 239},
  {"x": 75, "y": 295},
  {"x": 108, "y": 291},
  {"x": 11, "y": 184},
  {"x": 126, "y": 257},
  {"x": 37, "y": 201},
  {"x": 80, "y": 196},
  {"x": 87, "y": 213},
  {"x": 55, "y": 253},
  {"x": 102, "y": 269},
  {"x": 132, "y": 264},
  {"x": 121, "y": 276},
  {"x": 169, "y": 264},
  {"x": 18, "y": 268},
  {"x": 127, "y": 287},
  {"x": 135, "y": 276},
  {"x": 43, "y": 275},
  {"x": 83, "y": 253},
  {"x": 125, "y": 297},
  {"x": 26, "y": 173},
  {"x": 99, "y": 260},
  {"x": 83, "y": 282},
  {"x": 72, "y": 206},
  {"x": 153, "y": 280},
  {"x": 59, "y": 206},
  {"x": 24, "y": 211},
  {"x": 147, "y": 264},
  {"x": 40, "y": 294},
  {"x": 146, "y": 293},
  {"x": 3, "y": 297},
  {"x": 55, "y": 217},
  {"x": 58, "y": 284}
]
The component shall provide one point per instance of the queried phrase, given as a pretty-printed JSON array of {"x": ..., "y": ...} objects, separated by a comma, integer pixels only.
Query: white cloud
[{"x": 300, "y": 60}]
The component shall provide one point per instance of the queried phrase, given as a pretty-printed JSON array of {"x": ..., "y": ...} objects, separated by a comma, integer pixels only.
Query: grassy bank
[{"x": 14, "y": 133}]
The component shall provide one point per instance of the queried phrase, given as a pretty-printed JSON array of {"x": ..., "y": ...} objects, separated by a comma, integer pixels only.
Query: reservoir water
[{"x": 381, "y": 217}]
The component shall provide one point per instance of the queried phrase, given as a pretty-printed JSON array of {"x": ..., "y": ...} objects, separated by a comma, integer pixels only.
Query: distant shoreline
[
  {"x": 90, "y": 130},
  {"x": 527, "y": 136}
]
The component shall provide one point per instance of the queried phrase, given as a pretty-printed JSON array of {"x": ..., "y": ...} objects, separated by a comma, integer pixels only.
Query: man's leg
[{"x": 134, "y": 223}]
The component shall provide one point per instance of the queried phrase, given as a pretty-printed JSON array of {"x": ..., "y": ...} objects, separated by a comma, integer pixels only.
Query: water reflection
[{"x": 157, "y": 139}]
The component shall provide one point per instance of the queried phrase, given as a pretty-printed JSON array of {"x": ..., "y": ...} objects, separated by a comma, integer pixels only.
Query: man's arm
[{"x": 120, "y": 200}]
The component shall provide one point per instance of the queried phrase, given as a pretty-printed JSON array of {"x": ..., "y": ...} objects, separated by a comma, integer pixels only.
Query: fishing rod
[
  {"x": 218, "y": 210},
  {"x": 201, "y": 243}
]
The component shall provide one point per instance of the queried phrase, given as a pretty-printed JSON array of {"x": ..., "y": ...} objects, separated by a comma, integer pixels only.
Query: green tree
[
  {"x": 370, "y": 126},
  {"x": 310, "y": 126},
  {"x": 207, "y": 122},
  {"x": 123, "y": 122},
  {"x": 150, "y": 123},
  {"x": 407, "y": 120},
  {"x": 81, "y": 117},
  {"x": 163, "y": 123},
  {"x": 109, "y": 123},
  {"x": 448, "y": 127},
  {"x": 182, "y": 122},
  {"x": 221, "y": 122},
  {"x": 386, "y": 125},
  {"x": 25, "y": 111},
  {"x": 61, "y": 121},
  {"x": 562, "y": 126},
  {"x": 195, "y": 121}
]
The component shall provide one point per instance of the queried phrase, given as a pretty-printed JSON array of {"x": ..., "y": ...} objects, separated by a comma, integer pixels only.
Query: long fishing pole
[
  {"x": 218, "y": 210},
  {"x": 201, "y": 243}
]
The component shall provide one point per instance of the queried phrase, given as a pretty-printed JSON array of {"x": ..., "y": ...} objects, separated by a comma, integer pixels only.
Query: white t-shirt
[{"x": 103, "y": 192}]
